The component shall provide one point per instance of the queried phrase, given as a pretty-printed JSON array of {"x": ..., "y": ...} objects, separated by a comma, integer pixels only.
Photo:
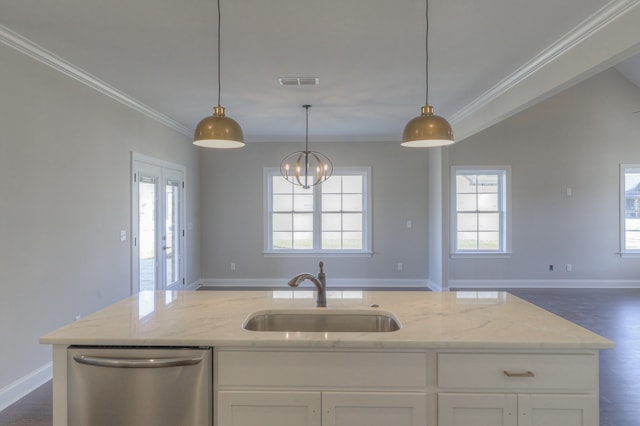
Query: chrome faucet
[{"x": 320, "y": 283}]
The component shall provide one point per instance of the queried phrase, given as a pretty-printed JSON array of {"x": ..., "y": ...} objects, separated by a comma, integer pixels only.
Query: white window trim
[
  {"x": 624, "y": 252},
  {"x": 366, "y": 235},
  {"x": 505, "y": 223}
]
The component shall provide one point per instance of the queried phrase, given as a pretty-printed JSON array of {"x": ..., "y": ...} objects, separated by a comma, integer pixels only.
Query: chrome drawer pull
[{"x": 510, "y": 374}]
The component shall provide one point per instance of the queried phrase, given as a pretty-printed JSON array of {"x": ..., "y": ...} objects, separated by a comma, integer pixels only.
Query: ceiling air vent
[{"x": 298, "y": 81}]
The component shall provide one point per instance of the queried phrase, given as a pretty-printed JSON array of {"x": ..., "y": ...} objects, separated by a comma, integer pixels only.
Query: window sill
[
  {"x": 480, "y": 255},
  {"x": 317, "y": 254},
  {"x": 629, "y": 254}
]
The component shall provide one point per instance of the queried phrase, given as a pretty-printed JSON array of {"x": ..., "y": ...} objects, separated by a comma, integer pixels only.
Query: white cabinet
[
  {"x": 373, "y": 409},
  {"x": 456, "y": 409},
  {"x": 517, "y": 389},
  {"x": 558, "y": 410},
  {"x": 324, "y": 387},
  {"x": 246, "y": 408},
  {"x": 320, "y": 388},
  {"x": 273, "y": 408}
]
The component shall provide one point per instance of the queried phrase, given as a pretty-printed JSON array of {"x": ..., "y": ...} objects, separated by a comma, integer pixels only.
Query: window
[
  {"x": 630, "y": 208},
  {"x": 480, "y": 214},
  {"x": 329, "y": 218}
]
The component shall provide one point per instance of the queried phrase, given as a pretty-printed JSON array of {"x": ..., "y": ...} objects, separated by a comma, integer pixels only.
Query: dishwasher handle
[{"x": 135, "y": 362}]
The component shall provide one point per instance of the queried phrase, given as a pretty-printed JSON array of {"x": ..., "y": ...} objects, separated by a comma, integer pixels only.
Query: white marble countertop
[{"x": 478, "y": 320}]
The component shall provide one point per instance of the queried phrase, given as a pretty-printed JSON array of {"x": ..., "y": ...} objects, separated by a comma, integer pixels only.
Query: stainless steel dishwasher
[{"x": 126, "y": 386}]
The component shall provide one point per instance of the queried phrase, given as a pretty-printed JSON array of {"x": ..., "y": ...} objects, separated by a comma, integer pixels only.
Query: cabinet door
[
  {"x": 239, "y": 408},
  {"x": 557, "y": 410},
  {"x": 374, "y": 409},
  {"x": 459, "y": 409}
]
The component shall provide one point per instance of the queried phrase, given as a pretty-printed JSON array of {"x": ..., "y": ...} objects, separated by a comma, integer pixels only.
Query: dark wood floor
[
  {"x": 614, "y": 314},
  {"x": 35, "y": 409}
]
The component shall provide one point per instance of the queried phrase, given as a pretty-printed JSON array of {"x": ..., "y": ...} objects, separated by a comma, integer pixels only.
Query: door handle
[
  {"x": 135, "y": 362},
  {"x": 519, "y": 374}
]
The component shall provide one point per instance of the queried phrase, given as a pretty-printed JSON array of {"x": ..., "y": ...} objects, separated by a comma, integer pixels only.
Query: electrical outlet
[
  {"x": 569, "y": 267},
  {"x": 400, "y": 266},
  {"x": 233, "y": 266}
]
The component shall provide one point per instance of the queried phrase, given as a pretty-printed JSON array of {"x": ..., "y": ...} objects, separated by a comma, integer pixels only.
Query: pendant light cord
[
  {"x": 219, "y": 32},
  {"x": 306, "y": 137},
  {"x": 426, "y": 48},
  {"x": 306, "y": 147}
]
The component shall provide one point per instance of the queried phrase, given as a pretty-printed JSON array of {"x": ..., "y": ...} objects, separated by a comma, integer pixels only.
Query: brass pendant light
[
  {"x": 218, "y": 130},
  {"x": 427, "y": 130},
  {"x": 306, "y": 168}
]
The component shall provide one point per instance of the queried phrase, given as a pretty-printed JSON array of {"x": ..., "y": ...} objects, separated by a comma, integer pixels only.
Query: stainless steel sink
[{"x": 323, "y": 320}]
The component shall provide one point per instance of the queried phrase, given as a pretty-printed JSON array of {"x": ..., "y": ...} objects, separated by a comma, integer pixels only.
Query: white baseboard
[
  {"x": 24, "y": 385},
  {"x": 544, "y": 284},
  {"x": 386, "y": 283},
  {"x": 193, "y": 286},
  {"x": 434, "y": 286},
  {"x": 389, "y": 283}
]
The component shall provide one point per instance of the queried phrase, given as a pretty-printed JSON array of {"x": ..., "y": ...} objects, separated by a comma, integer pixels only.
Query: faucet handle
[{"x": 321, "y": 265}]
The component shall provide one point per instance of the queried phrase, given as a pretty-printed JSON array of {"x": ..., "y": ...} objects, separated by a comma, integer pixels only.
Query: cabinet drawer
[
  {"x": 518, "y": 371},
  {"x": 314, "y": 369}
]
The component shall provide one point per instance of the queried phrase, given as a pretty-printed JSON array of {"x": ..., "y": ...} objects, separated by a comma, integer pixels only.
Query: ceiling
[{"x": 488, "y": 58}]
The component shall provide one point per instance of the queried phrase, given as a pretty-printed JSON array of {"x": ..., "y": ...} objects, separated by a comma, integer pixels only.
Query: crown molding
[
  {"x": 42, "y": 55},
  {"x": 600, "y": 19}
]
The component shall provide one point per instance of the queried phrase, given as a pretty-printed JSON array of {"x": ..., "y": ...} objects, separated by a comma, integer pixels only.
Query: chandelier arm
[
  {"x": 319, "y": 171},
  {"x": 328, "y": 168},
  {"x": 306, "y": 168},
  {"x": 298, "y": 168}
]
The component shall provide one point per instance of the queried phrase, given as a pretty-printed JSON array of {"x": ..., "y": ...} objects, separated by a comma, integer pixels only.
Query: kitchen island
[{"x": 459, "y": 358}]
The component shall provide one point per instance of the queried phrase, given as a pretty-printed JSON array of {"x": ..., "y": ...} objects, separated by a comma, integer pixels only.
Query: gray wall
[
  {"x": 65, "y": 196},
  {"x": 232, "y": 211},
  {"x": 576, "y": 139}
]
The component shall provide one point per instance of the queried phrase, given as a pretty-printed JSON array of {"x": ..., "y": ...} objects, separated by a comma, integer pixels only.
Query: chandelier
[{"x": 306, "y": 168}]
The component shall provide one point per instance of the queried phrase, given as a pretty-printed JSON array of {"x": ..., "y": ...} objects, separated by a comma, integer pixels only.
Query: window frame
[
  {"x": 366, "y": 251},
  {"x": 624, "y": 251},
  {"x": 504, "y": 210}
]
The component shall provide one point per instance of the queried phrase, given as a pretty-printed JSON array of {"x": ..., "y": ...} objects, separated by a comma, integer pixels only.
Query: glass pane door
[
  {"x": 147, "y": 232},
  {"x": 158, "y": 237},
  {"x": 172, "y": 232}
]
